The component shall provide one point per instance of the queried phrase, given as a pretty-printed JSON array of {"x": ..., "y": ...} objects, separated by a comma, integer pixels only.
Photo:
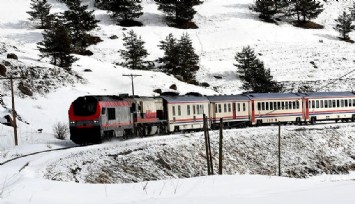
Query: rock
[
  {"x": 7, "y": 63},
  {"x": 173, "y": 87},
  {"x": 12, "y": 56},
  {"x": 2, "y": 70},
  {"x": 25, "y": 90},
  {"x": 159, "y": 91},
  {"x": 113, "y": 37}
]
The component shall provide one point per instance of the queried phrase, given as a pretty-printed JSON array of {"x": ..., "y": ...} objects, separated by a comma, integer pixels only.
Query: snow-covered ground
[{"x": 225, "y": 27}]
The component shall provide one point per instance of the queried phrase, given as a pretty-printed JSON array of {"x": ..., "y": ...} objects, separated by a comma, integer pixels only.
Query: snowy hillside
[
  {"x": 294, "y": 55},
  {"x": 225, "y": 26}
]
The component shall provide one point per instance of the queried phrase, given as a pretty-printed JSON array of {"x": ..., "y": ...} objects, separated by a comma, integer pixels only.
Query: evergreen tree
[
  {"x": 179, "y": 57},
  {"x": 170, "y": 60},
  {"x": 124, "y": 10},
  {"x": 344, "y": 25},
  {"x": 56, "y": 44},
  {"x": 307, "y": 9},
  {"x": 40, "y": 12},
  {"x": 188, "y": 59},
  {"x": 178, "y": 10},
  {"x": 266, "y": 8},
  {"x": 253, "y": 74},
  {"x": 135, "y": 51},
  {"x": 79, "y": 21}
]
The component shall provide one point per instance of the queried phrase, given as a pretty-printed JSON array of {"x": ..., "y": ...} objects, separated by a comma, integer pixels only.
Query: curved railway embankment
[{"x": 306, "y": 151}]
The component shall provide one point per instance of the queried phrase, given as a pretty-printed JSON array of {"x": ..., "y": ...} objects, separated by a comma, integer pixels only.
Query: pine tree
[
  {"x": 178, "y": 10},
  {"x": 266, "y": 8},
  {"x": 135, "y": 51},
  {"x": 188, "y": 59},
  {"x": 79, "y": 21},
  {"x": 253, "y": 74},
  {"x": 170, "y": 60},
  {"x": 307, "y": 9},
  {"x": 344, "y": 25},
  {"x": 56, "y": 44},
  {"x": 125, "y": 10},
  {"x": 40, "y": 12}
]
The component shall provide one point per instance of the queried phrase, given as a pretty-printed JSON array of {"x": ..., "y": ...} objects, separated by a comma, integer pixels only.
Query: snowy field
[{"x": 225, "y": 27}]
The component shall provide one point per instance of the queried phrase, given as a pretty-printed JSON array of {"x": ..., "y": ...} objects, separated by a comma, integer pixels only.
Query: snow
[{"x": 225, "y": 27}]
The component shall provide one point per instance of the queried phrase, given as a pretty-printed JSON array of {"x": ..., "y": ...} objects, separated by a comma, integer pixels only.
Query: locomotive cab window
[
  {"x": 111, "y": 114},
  {"x": 103, "y": 111}
]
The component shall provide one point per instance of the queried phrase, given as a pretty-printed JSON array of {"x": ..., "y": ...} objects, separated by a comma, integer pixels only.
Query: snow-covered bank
[{"x": 306, "y": 151}]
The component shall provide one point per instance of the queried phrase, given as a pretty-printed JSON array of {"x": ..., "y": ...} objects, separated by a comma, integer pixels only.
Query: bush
[{"x": 60, "y": 130}]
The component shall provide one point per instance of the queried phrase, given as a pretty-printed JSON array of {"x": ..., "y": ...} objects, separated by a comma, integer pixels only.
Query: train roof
[
  {"x": 102, "y": 97},
  {"x": 217, "y": 98},
  {"x": 185, "y": 99},
  {"x": 330, "y": 94},
  {"x": 274, "y": 95}
]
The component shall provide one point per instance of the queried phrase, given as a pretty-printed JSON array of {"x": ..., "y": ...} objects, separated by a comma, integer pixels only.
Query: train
[{"x": 93, "y": 118}]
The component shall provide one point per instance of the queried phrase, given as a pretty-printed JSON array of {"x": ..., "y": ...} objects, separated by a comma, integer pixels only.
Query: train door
[
  {"x": 305, "y": 108},
  {"x": 234, "y": 111},
  {"x": 252, "y": 112}
]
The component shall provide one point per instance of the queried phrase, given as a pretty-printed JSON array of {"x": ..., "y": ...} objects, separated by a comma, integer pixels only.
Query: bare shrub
[{"x": 60, "y": 130}]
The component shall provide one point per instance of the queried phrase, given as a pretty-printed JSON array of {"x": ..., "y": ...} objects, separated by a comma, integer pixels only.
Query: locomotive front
[{"x": 84, "y": 119}]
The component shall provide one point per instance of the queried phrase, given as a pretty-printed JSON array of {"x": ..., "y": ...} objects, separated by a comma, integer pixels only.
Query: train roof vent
[
  {"x": 193, "y": 94},
  {"x": 124, "y": 95},
  {"x": 169, "y": 93}
]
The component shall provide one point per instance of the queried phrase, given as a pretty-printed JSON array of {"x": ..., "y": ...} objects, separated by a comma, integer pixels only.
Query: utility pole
[
  {"x": 279, "y": 156},
  {"x": 14, "y": 123},
  {"x": 132, "y": 77},
  {"x": 220, "y": 167},
  {"x": 135, "y": 109}
]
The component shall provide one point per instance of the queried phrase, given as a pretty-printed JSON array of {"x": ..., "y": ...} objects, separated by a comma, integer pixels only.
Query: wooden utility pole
[
  {"x": 279, "y": 156},
  {"x": 132, "y": 77},
  {"x": 14, "y": 123},
  {"x": 206, "y": 144},
  {"x": 135, "y": 111},
  {"x": 220, "y": 165}
]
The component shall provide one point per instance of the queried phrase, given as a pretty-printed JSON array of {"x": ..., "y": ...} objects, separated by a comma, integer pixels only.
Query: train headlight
[
  {"x": 72, "y": 122},
  {"x": 96, "y": 122}
]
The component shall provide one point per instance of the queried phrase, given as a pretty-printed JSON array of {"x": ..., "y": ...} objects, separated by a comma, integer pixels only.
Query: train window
[
  {"x": 103, "y": 111},
  {"x": 111, "y": 114},
  {"x": 219, "y": 108},
  {"x": 283, "y": 105},
  {"x": 202, "y": 109},
  {"x": 297, "y": 104},
  {"x": 278, "y": 105},
  {"x": 188, "y": 110},
  {"x": 271, "y": 105},
  {"x": 275, "y": 105},
  {"x": 215, "y": 108},
  {"x": 244, "y": 107},
  {"x": 179, "y": 110},
  {"x": 342, "y": 103},
  {"x": 198, "y": 109},
  {"x": 266, "y": 105},
  {"x": 194, "y": 109},
  {"x": 225, "y": 108},
  {"x": 325, "y": 103},
  {"x": 330, "y": 104},
  {"x": 350, "y": 103},
  {"x": 229, "y": 107},
  {"x": 338, "y": 104},
  {"x": 263, "y": 106},
  {"x": 353, "y": 102},
  {"x": 286, "y": 105},
  {"x": 317, "y": 104},
  {"x": 346, "y": 102},
  {"x": 334, "y": 105},
  {"x": 259, "y": 106},
  {"x": 321, "y": 104},
  {"x": 174, "y": 113},
  {"x": 290, "y": 105},
  {"x": 294, "y": 105}
]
